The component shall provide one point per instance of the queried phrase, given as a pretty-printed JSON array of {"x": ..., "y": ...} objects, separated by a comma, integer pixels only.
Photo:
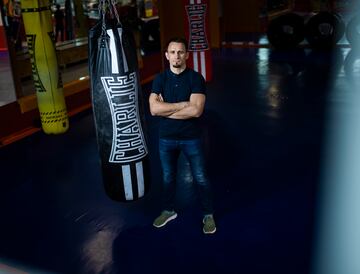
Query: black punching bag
[{"x": 117, "y": 106}]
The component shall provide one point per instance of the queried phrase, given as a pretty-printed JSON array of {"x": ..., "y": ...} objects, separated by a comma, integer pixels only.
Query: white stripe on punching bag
[
  {"x": 203, "y": 65},
  {"x": 127, "y": 182},
  {"x": 114, "y": 60},
  {"x": 140, "y": 179},
  {"x": 126, "y": 67},
  {"x": 195, "y": 60}
]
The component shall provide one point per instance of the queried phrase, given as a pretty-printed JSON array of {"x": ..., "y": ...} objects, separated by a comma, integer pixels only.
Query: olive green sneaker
[
  {"x": 165, "y": 217},
  {"x": 209, "y": 224}
]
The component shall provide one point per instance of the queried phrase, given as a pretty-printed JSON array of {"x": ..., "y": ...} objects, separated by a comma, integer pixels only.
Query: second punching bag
[
  {"x": 36, "y": 15},
  {"x": 117, "y": 105}
]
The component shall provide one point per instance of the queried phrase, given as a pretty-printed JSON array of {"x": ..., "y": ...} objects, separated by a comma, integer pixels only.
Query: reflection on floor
[
  {"x": 7, "y": 89},
  {"x": 267, "y": 117}
]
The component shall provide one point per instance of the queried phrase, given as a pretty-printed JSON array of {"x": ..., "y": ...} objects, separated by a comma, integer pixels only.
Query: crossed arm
[{"x": 181, "y": 110}]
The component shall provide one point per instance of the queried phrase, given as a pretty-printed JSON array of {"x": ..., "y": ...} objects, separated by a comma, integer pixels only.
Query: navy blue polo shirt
[{"x": 178, "y": 88}]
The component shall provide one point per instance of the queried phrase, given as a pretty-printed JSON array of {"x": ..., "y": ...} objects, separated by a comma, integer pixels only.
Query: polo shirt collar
[{"x": 177, "y": 75}]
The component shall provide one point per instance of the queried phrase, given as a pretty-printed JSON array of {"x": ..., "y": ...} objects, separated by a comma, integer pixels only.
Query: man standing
[
  {"x": 178, "y": 97},
  {"x": 59, "y": 23}
]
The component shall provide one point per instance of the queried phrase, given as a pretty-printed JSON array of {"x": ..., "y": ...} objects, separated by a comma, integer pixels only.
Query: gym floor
[{"x": 267, "y": 119}]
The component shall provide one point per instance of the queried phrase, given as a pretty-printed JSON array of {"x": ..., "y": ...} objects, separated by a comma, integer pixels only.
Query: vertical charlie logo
[
  {"x": 128, "y": 140},
  {"x": 197, "y": 38}
]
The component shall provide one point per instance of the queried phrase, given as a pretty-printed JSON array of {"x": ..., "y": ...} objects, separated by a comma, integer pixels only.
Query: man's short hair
[{"x": 178, "y": 40}]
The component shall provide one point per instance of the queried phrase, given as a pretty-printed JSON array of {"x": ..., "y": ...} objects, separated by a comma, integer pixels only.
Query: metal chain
[
  {"x": 115, "y": 11},
  {"x": 102, "y": 12},
  {"x": 110, "y": 9},
  {"x": 104, "y": 6}
]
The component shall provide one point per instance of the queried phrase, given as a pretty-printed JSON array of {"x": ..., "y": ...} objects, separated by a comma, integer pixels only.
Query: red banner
[{"x": 197, "y": 34}]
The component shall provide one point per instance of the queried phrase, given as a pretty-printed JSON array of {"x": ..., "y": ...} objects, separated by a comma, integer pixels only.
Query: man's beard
[{"x": 176, "y": 66}]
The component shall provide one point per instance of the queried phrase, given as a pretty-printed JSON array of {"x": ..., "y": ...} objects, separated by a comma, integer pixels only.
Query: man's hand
[
  {"x": 193, "y": 109},
  {"x": 160, "y": 108},
  {"x": 160, "y": 98}
]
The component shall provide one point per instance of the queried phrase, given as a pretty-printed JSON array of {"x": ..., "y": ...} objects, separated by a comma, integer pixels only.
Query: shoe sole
[
  {"x": 209, "y": 232},
  {"x": 168, "y": 220}
]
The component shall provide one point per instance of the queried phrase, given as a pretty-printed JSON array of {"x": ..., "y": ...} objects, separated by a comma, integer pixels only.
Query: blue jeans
[{"x": 169, "y": 154}]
